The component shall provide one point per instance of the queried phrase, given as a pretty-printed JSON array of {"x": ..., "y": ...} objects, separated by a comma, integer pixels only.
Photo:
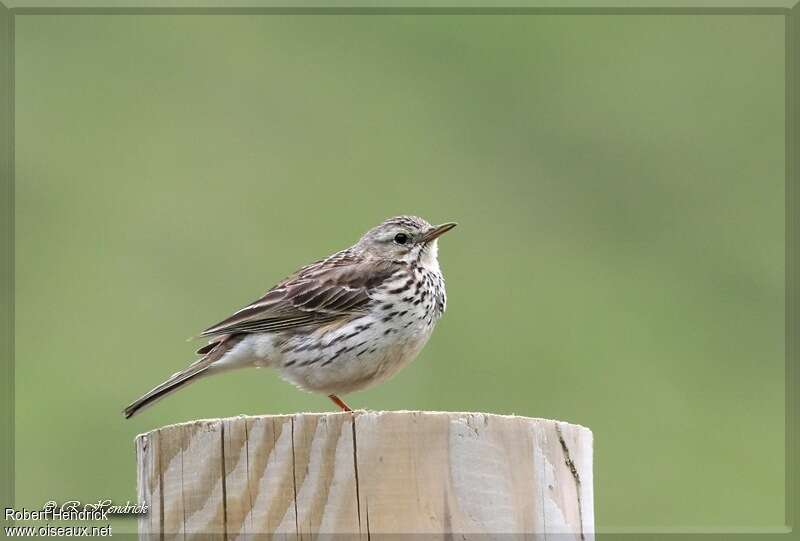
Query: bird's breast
[{"x": 371, "y": 347}]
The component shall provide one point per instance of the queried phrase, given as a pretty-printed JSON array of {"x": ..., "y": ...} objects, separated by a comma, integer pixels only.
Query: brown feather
[
  {"x": 316, "y": 294},
  {"x": 184, "y": 377}
]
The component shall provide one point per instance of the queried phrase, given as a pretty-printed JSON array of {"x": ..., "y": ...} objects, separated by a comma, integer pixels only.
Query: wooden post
[{"x": 367, "y": 473}]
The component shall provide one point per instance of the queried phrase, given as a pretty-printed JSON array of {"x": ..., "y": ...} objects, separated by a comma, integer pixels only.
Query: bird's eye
[{"x": 401, "y": 238}]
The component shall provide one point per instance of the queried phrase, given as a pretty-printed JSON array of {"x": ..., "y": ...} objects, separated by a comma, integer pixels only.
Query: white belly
[{"x": 348, "y": 359}]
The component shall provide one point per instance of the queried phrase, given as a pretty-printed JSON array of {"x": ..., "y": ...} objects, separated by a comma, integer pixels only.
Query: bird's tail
[{"x": 180, "y": 379}]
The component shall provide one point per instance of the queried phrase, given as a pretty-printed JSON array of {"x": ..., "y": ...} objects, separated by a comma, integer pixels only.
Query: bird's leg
[{"x": 339, "y": 402}]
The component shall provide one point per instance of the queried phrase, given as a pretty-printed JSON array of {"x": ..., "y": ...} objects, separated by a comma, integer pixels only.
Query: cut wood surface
[{"x": 367, "y": 473}]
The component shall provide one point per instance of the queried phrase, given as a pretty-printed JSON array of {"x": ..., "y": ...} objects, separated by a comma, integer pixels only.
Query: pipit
[{"x": 341, "y": 324}]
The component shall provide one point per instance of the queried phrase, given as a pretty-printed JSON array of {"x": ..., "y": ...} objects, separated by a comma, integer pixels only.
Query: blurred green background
[{"x": 619, "y": 262}]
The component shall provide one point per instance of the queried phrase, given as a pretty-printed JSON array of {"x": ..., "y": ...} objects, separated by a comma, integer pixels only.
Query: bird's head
[{"x": 404, "y": 238}]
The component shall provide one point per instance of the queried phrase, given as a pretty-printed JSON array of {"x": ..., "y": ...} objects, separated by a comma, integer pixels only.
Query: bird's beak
[{"x": 437, "y": 231}]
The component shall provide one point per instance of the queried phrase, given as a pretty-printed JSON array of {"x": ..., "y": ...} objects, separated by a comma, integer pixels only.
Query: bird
[{"x": 338, "y": 325}]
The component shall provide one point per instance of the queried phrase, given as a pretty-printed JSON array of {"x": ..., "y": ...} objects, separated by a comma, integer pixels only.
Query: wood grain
[{"x": 366, "y": 473}]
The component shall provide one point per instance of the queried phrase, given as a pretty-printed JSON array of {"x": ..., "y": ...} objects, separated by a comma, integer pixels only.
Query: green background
[{"x": 619, "y": 262}]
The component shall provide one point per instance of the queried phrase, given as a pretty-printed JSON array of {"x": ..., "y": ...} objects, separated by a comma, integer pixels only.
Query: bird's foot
[{"x": 339, "y": 402}]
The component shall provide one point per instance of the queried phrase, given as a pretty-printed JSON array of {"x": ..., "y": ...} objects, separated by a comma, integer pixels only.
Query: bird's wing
[{"x": 318, "y": 293}]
